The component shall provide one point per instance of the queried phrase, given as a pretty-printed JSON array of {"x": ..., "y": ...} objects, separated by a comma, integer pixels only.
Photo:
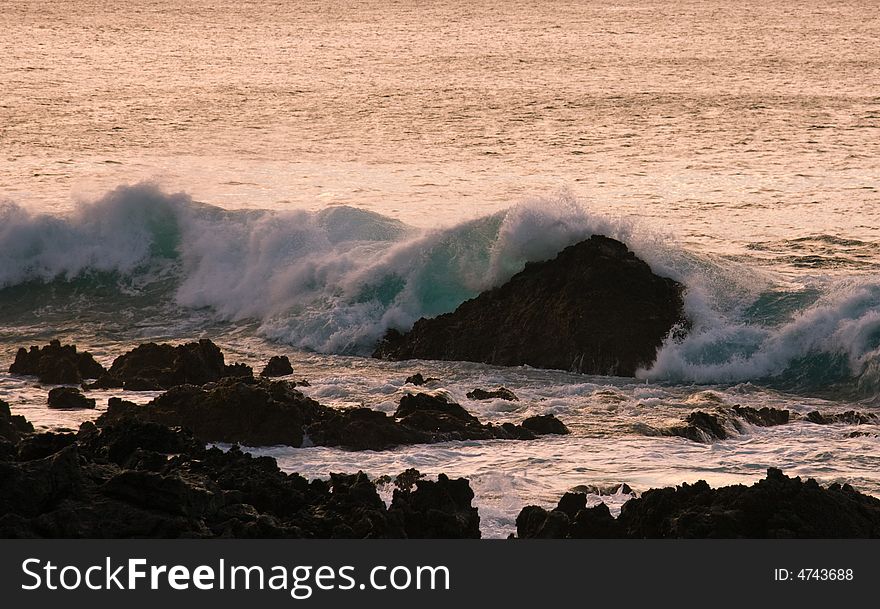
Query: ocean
[{"x": 298, "y": 177}]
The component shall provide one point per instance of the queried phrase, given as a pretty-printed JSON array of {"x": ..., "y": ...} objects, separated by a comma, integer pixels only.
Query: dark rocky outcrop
[
  {"x": 69, "y": 397},
  {"x": 722, "y": 422},
  {"x": 135, "y": 479},
  {"x": 260, "y": 412},
  {"x": 56, "y": 364},
  {"x": 12, "y": 426},
  {"x": 418, "y": 380},
  {"x": 502, "y": 393},
  {"x": 154, "y": 367},
  {"x": 545, "y": 424},
  {"x": 278, "y": 365},
  {"x": 850, "y": 417},
  {"x": 595, "y": 308},
  {"x": 776, "y": 507}
]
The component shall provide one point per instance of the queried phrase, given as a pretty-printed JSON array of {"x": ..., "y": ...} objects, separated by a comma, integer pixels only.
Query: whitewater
[{"x": 297, "y": 182}]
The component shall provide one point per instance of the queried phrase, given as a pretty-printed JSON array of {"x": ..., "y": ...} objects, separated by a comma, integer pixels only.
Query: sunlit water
[{"x": 351, "y": 167}]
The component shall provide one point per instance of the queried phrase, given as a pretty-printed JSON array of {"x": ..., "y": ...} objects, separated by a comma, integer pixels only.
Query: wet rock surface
[
  {"x": 721, "y": 423},
  {"x": 260, "y": 412},
  {"x": 56, "y": 364},
  {"x": 502, "y": 393},
  {"x": 154, "y": 367},
  {"x": 775, "y": 507},
  {"x": 595, "y": 308},
  {"x": 142, "y": 479},
  {"x": 278, "y": 365}
]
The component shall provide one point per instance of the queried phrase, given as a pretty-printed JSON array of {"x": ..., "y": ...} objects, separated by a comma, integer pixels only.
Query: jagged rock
[
  {"x": 775, "y": 507},
  {"x": 278, "y": 365},
  {"x": 40, "y": 446},
  {"x": 850, "y": 416},
  {"x": 595, "y": 308},
  {"x": 12, "y": 426},
  {"x": 502, "y": 393},
  {"x": 700, "y": 426},
  {"x": 252, "y": 412},
  {"x": 608, "y": 489},
  {"x": 545, "y": 424},
  {"x": 69, "y": 397},
  {"x": 260, "y": 412},
  {"x": 440, "y": 509},
  {"x": 418, "y": 380},
  {"x": 152, "y": 367},
  {"x": 131, "y": 478},
  {"x": 56, "y": 364}
]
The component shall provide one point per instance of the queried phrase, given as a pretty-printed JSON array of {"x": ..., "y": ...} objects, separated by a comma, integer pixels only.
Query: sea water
[{"x": 296, "y": 178}]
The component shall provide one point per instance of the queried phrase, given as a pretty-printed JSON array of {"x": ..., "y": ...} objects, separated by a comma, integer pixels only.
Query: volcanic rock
[
  {"x": 851, "y": 417},
  {"x": 776, "y": 507},
  {"x": 543, "y": 424},
  {"x": 56, "y": 364},
  {"x": 152, "y": 367},
  {"x": 12, "y": 426},
  {"x": 278, "y": 365},
  {"x": 418, "y": 380},
  {"x": 69, "y": 397},
  {"x": 595, "y": 309},
  {"x": 502, "y": 393}
]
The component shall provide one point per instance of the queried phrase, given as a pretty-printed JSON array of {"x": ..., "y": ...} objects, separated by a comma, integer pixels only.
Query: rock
[
  {"x": 502, "y": 393},
  {"x": 130, "y": 478},
  {"x": 608, "y": 489},
  {"x": 545, "y": 424},
  {"x": 364, "y": 429},
  {"x": 440, "y": 509},
  {"x": 279, "y": 365},
  {"x": 700, "y": 426},
  {"x": 776, "y": 507},
  {"x": 69, "y": 397},
  {"x": 595, "y": 309},
  {"x": 850, "y": 417},
  {"x": 763, "y": 417},
  {"x": 251, "y": 412},
  {"x": 105, "y": 381},
  {"x": 40, "y": 446},
  {"x": 418, "y": 380},
  {"x": 260, "y": 412},
  {"x": 12, "y": 427},
  {"x": 152, "y": 367},
  {"x": 240, "y": 371},
  {"x": 56, "y": 364}
]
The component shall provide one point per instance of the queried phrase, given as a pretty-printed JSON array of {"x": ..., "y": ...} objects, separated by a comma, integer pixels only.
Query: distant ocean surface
[{"x": 299, "y": 177}]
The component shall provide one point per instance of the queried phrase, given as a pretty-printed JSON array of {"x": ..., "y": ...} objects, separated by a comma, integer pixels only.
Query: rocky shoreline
[{"x": 149, "y": 470}]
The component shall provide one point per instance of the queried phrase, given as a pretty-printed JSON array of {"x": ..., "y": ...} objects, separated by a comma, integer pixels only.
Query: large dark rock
[
  {"x": 595, "y": 308},
  {"x": 776, "y": 507},
  {"x": 440, "y": 509},
  {"x": 278, "y": 365},
  {"x": 251, "y": 412},
  {"x": 56, "y": 364},
  {"x": 69, "y": 397},
  {"x": 134, "y": 479},
  {"x": 153, "y": 367},
  {"x": 544, "y": 424},
  {"x": 260, "y": 412}
]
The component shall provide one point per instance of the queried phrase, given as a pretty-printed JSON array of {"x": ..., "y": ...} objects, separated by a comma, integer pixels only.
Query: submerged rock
[
  {"x": 69, "y": 397},
  {"x": 278, "y": 365},
  {"x": 776, "y": 507},
  {"x": 594, "y": 308},
  {"x": 153, "y": 367},
  {"x": 502, "y": 393},
  {"x": 56, "y": 364}
]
